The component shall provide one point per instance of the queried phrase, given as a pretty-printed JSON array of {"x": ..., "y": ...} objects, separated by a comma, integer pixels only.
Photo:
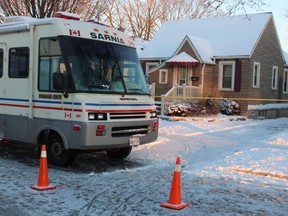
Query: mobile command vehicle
[{"x": 72, "y": 85}]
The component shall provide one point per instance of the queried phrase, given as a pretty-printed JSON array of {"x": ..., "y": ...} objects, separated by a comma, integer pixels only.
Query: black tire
[
  {"x": 56, "y": 153},
  {"x": 119, "y": 153}
]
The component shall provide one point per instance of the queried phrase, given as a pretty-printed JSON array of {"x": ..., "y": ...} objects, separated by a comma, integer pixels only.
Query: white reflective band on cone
[{"x": 43, "y": 154}]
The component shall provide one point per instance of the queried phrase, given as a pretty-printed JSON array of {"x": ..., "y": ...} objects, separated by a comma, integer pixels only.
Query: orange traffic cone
[
  {"x": 174, "y": 201},
  {"x": 43, "y": 180}
]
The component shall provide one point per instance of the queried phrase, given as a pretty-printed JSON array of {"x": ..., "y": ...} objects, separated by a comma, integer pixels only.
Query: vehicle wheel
[
  {"x": 56, "y": 153},
  {"x": 119, "y": 153}
]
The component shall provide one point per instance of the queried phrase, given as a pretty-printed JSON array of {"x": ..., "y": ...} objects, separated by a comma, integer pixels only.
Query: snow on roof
[
  {"x": 203, "y": 48},
  {"x": 223, "y": 36},
  {"x": 16, "y": 19},
  {"x": 182, "y": 57}
]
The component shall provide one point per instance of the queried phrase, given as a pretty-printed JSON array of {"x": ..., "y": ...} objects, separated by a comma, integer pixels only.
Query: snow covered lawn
[{"x": 228, "y": 167}]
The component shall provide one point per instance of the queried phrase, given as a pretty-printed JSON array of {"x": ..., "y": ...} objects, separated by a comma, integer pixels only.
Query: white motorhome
[{"x": 72, "y": 85}]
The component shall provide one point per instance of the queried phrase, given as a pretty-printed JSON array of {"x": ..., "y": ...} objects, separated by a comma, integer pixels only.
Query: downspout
[
  {"x": 202, "y": 78},
  {"x": 31, "y": 75}
]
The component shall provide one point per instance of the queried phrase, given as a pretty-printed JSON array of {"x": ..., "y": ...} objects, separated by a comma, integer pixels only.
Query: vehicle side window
[
  {"x": 19, "y": 62},
  {"x": 1, "y": 62},
  {"x": 50, "y": 61}
]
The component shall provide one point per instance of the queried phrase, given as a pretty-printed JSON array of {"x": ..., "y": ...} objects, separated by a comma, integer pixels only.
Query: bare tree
[
  {"x": 38, "y": 9},
  {"x": 46, "y": 8},
  {"x": 140, "y": 18},
  {"x": 194, "y": 9},
  {"x": 232, "y": 6},
  {"x": 189, "y": 9},
  {"x": 95, "y": 9},
  {"x": 115, "y": 15}
]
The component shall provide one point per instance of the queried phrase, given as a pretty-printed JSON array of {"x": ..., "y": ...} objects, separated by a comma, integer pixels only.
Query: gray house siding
[
  {"x": 162, "y": 88},
  {"x": 268, "y": 53}
]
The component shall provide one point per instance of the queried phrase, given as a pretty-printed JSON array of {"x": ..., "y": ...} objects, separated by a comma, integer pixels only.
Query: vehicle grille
[
  {"x": 129, "y": 131},
  {"x": 137, "y": 115}
]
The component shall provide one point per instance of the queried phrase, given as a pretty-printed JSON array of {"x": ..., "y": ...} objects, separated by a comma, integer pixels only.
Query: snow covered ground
[{"x": 228, "y": 167}]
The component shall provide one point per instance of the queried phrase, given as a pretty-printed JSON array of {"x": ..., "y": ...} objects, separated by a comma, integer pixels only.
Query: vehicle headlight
[
  {"x": 153, "y": 114},
  {"x": 97, "y": 116},
  {"x": 100, "y": 116},
  {"x": 91, "y": 116}
]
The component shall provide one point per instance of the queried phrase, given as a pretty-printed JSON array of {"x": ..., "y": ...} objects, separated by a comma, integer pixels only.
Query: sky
[
  {"x": 229, "y": 166},
  {"x": 278, "y": 8}
]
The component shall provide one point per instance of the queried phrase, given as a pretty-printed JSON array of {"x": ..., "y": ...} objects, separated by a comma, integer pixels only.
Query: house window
[
  {"x": 256, "y": 75},
  {"x": 274, "y": 77},
  {"x": 19, "y": 62},
  {"x": 149, "y": 66},
  {"x": 163, "y": 76},
  {"x": 1, "y": 62},
  {"x": 285, "y": 81},
  {"x": 226, "y": 75}
]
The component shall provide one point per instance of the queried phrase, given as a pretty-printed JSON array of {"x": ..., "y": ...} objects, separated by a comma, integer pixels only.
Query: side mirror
[{"x": 58, "y": 81}]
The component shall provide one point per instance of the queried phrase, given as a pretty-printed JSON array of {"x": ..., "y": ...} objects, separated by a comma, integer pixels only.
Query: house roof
[
  {"x": 182, "y": 59},
  {"x": 211, "y": 37}
]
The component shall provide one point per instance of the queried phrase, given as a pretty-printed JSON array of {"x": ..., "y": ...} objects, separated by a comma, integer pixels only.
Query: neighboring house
[{"x": 236, "y": 57}]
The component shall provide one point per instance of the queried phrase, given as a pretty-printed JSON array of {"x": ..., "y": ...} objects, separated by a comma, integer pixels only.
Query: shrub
[
  {"x": 229, "y": 107},
  {"x": 203, "y": 107}
]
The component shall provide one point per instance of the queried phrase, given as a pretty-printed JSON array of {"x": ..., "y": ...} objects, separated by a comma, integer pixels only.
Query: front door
[{"x": 183, "y": 75}]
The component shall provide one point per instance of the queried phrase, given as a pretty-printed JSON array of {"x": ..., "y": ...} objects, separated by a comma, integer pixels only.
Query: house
[{"x": 237, "y": 58}]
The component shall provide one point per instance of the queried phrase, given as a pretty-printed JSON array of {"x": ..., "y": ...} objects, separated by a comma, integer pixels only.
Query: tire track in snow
[{"x": 139, "y": 183}]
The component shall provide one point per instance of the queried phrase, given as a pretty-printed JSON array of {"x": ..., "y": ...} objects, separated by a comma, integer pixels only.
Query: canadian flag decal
[{"x": 74, "y": 32}]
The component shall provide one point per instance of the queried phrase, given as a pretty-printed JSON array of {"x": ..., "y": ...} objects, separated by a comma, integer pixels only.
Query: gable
[{"x": 197, "y": 48}]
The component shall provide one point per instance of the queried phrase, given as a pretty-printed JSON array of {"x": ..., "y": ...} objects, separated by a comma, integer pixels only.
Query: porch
[{"x": 177, "y": 94}]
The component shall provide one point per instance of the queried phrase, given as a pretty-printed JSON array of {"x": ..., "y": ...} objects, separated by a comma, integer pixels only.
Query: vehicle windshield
[{"x": 101, "y": 67}]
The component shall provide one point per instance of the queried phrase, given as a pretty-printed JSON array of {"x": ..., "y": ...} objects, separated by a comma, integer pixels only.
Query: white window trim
[
  {"x": 274, "y": 68},
  {"x": 220, "y": 83},
  {"x": 148, "y": 64},
  {"x": 166, "y": 76},
  {"x": 258, "y": 75},
  {"x": 285, "y": 71}
]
